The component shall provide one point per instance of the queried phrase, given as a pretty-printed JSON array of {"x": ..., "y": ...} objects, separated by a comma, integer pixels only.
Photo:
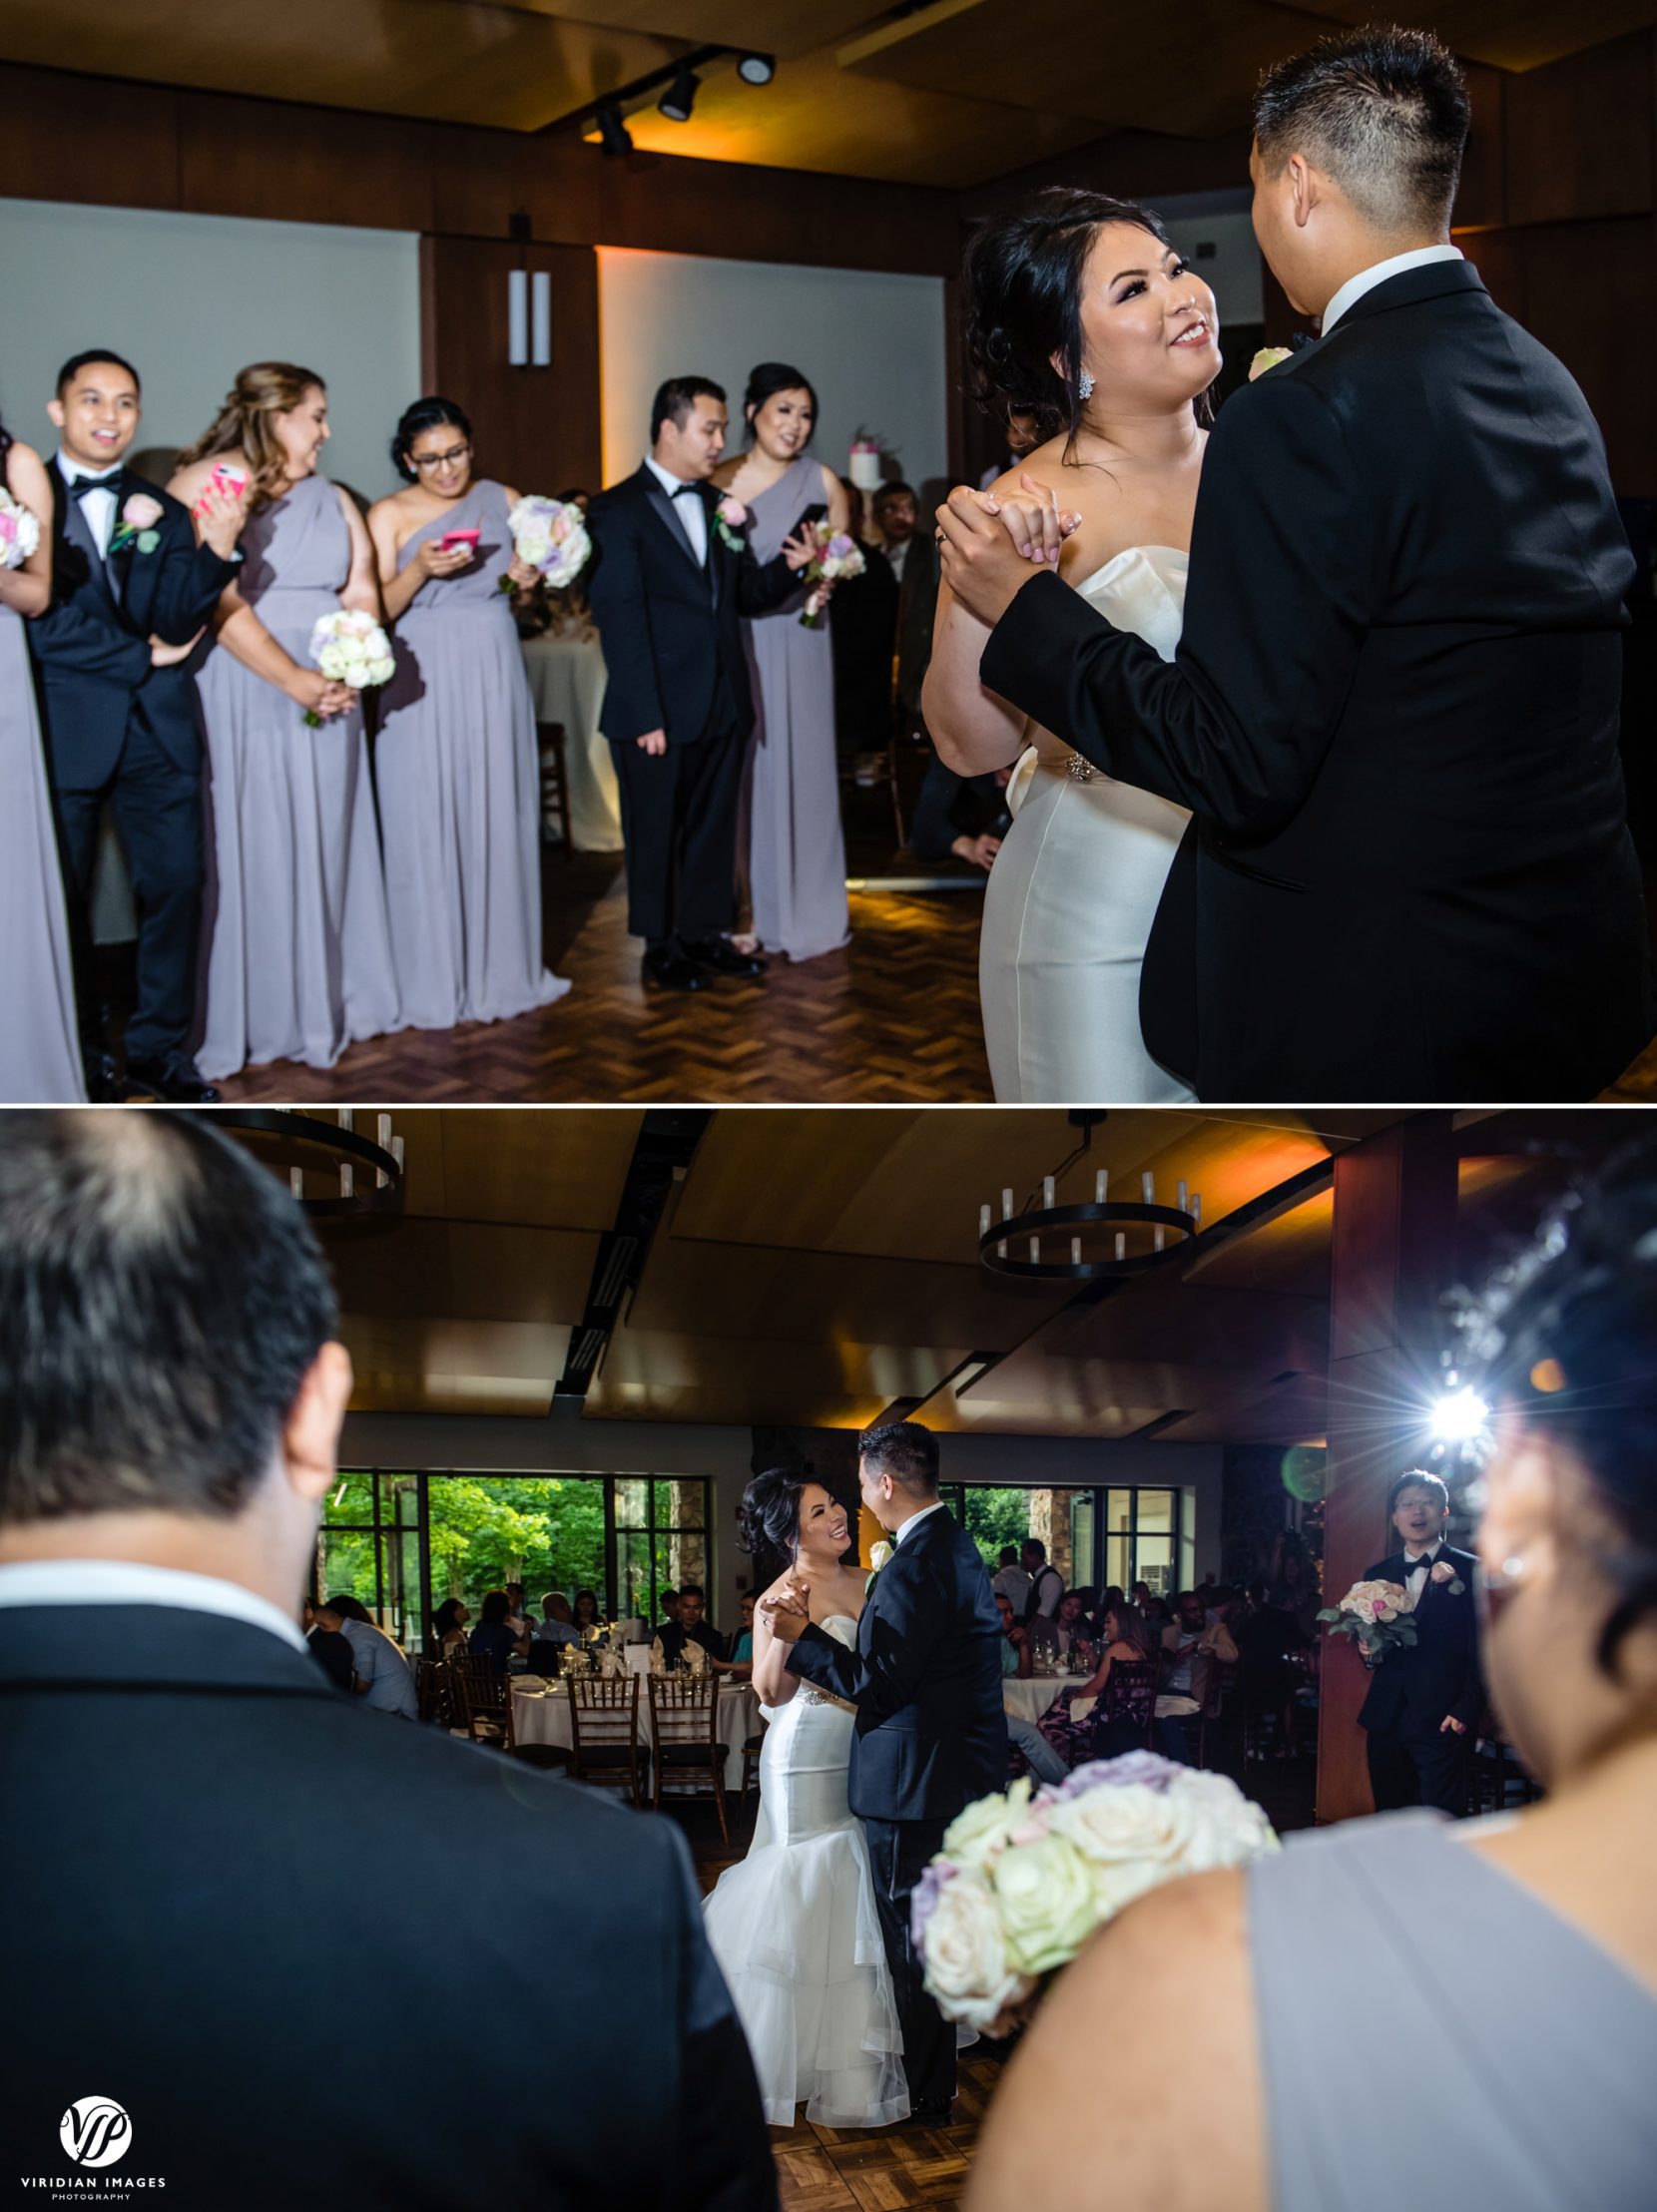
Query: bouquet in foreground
[
  {"x": 1378, "y": 1616},
  {"x": 1022, "y": 1882},
  {"x": 840, "y": 558},
  {"x": 19, "y": 531},
  {"x": 549, "y": 535},
  {"x": 350, "y": 648}
]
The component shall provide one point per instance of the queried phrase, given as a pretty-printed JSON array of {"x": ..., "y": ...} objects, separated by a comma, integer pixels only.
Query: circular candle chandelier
[
  {"x": 334, "y": 1171},
  {"x": 1098, "y": 1240}
]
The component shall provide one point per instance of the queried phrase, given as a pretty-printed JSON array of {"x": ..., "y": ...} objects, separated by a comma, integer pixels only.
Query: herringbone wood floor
[{"x": 893, "y": 1018}]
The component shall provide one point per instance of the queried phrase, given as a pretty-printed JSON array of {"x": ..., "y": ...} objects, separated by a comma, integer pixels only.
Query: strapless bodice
[{"x": 1142, "y": 591}]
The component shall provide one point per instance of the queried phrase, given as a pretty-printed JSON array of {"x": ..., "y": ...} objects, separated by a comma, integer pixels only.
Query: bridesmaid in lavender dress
[
  {"x": 40, "y": 1059},
  {"x": 456, "y": 761},
  {"x": 791, "y": 819},
  {"x": 299, "y": 963}
]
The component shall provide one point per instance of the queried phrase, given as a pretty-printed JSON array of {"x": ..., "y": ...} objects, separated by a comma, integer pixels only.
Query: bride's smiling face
[
  {"x": 824, "y": 1528},
  {"x": 1149, "y": 329}
]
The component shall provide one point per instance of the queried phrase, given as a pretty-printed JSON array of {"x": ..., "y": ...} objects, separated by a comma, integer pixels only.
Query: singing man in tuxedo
[
  {"x": 172, "y": 1390},
  {"x": 669, "y": 582},
  {"x": 131, "y": 590},
  {"x": 1424, "y": 1697},
  {"x": 931, "y": 1733},
  {"x": 1394, "y": 711}
]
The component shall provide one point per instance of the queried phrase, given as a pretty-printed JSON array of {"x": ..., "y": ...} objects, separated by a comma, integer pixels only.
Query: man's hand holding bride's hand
[
  {"x": 987, "y": 545},
  {"x": 786, "y": 1607}
]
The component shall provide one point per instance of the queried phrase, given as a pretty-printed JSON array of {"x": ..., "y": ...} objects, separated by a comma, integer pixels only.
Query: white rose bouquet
[
  {"x": 1022, "y": 1882},
  {"x": 350, "y": 648},
  {"x": 19, "y": 531},
  {"x": 1376, "y": 1615},
  {"x": 549, "y": 535},
  {"x": 840, "y": 558}
]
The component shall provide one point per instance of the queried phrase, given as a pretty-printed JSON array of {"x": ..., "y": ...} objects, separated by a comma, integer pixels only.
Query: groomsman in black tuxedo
[
  {"x": 668, "y": 583},
  {"x": 201, "y": 1798},
  {"x": 931, "y": 1731},
  {"x": 1425, "y": 1697},
  {"x": 131, "y": 590}
]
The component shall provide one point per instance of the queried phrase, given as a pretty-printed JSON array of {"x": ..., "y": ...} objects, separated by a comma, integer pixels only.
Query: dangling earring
[{"x": 1084, "y": 386}]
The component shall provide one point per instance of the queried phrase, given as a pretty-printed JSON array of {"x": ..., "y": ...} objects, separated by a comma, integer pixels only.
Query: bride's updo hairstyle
[
  {"x": 243, "y": 424},
  {"x": 767, "y": 1520},
  {"x": 1566, "y": 1336},
  {"x": 1024, "y": 275}
]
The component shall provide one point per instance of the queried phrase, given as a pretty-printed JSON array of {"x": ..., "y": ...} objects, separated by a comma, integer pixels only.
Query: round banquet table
[
  {"x": 1029, "y": 1699},
  {"x": 543, "y": 1717},
  {"x": 567, "y": 680}
]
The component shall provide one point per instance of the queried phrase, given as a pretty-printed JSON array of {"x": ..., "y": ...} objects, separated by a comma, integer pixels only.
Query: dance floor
[{"x": 891, "y": 1019}]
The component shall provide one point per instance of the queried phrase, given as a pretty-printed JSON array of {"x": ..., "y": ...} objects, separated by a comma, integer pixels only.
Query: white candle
[
  {"x": 1101, "y": 1183},
  {"x": 1075, "y": 1252},
  {"x": 296, "y": 1181},
  {"x": 396, "y": 1150},
  {"x": 1185, "y": 1199},
  {"x": 346, "y": 1117},
  {"x": 1006, "y": 1205},
  {"x": 1147, "y": 1183},
  {"x": 1197, "y": 1208},
  {"x": 983, "y": 1222},
  {"x": 1035, "y": 1251},
  {"x": 1121, "y": 1244},
  {"x": 1157, "y": 1237},
  {"x": 1047, "y": 1192}
]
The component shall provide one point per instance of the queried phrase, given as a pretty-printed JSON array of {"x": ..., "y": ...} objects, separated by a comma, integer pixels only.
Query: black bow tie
[
  {"x": 82, "y": 484},
  {"x": 688, "y": 491},
  {"x": 1425, "y": 1561}
]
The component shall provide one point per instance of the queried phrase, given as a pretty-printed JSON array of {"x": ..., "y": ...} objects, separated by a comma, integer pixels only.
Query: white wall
[
  {"x": 1233, "y": 273},
  {"x": 872, "y": 344},
  {"x": 565, "y": 1443},
  {"x": 190, "y": 298}
]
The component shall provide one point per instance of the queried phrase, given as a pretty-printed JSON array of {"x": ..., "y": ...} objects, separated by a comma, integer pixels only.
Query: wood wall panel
[
  {"x": 1579, "y": 136},
  {"x": 1481, "y": 197},
  {"x": 88, "y": 139},
  {"x": 1590, "y": 295},
  {"x": 266, "y": 157}
]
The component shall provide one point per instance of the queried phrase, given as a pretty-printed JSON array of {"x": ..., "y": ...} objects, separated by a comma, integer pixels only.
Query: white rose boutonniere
[
  {"x": 1267, "y": 357},
  {"x": 730, "y": 520},
  {"x": 878, "y": 1554},
  {"x": 1444, "y": 1572}
]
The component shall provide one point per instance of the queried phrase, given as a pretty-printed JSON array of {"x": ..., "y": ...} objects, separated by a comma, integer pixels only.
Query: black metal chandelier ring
[
  {"x": 325, "y": 1146},
  {"x": 996, "y": 1245}
]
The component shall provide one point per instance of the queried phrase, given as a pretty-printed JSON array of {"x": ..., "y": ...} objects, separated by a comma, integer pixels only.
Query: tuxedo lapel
[
  {"x": 666, "y": 509},
  {"x": 78, "y": 531}
]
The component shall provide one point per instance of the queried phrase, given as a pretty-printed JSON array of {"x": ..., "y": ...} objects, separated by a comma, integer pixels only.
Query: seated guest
[
  {"x": 492, "y": 1640},
  {"x": 350, "y": 1608},
  {"x": 382, "y": 1676},
  {"x": 1425, "y": 1696},
  {"x": 1105, "y": 1730},
  {"x": 962, "y": 818},
  {"x": 456, "y": 760},
  {"x": 331, "y": 1651},
  {"x": 1023, "y": 1735},
  {"x": 1548, "y": 1910},
  {"x": 1010, "y": 1581},
  {"x": 448, "y": 1627},
  {"x": 687, "y": 1627},
  {"x": 585, "y": 1611},
  {"x": 1192, "y": 1647},
  {"x": 559, "y": 1625},
  {"x": 1264, "y": 1636},
  {"x": 1075, "y": 1626},
  {"x": 1043, "y": 1632},
  {"x": 182, "y": 1509},
  {"x": 517, "y": 1618},
  {"x": 670, "y": 1607},
  {"x": 739, "y": 1665}
]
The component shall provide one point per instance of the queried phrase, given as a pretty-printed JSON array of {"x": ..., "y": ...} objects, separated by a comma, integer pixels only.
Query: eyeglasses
[{"x": 432, "y": 462}]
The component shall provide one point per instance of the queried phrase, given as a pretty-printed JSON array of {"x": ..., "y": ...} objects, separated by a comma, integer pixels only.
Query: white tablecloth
[
  {"x": 544, "y": 1717},
  {"x": 1028, "y": 1700},
  {"x": 566, "y": 677}
]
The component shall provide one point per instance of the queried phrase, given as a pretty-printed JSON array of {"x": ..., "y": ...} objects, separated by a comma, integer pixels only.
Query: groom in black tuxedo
[
  {"x": 931, "y": 1732},
  {"x": 668, "y": 584},
  {"x": 1394, "y": 707},
  {"x": 131, "y": 588},
  {"x": 1424, "y": 1698}
]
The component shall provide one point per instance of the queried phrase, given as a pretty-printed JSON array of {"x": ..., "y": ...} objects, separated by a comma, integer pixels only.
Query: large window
[
  {"x": 1141, "y": 1530},
  {"x": 401, "y": 1544}
]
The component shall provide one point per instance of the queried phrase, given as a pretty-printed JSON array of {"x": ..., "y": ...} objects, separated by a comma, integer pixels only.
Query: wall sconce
[{"x": 529, "y": 319}]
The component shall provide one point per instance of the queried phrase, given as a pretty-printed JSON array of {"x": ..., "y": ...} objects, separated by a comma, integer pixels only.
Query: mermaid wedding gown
[
  {"x": 1071, "y": 898},
  {"x": 796, "y": 1932}
]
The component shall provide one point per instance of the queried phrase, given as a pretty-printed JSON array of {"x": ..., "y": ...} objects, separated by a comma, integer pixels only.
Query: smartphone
[
  {"x": 452, "y": 540},
  {"x": 229, "y": 481},
  {"x": 818, "y": 513}
]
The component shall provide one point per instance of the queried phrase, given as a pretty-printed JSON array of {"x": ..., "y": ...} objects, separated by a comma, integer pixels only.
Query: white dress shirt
[
  {"x": 1417, "y": 1568},
  {"x": 914, "y": 1520},
  {"x": 692, "y": 511},
  {"x": 92, "y": 1583},
  {"x": 380, "y": 1664},
  {"x": 1419, "y": 256},
  {"x": 898, "y": 556},
  {"x": 97, "y": 506}
]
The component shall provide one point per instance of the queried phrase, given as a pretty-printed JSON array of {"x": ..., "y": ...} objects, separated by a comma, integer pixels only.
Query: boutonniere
[
  {"x": 137, "y": 526},
  {"x": 878, "y": 1554},
  {"x": 1442, "y": 1572},
  {"x": 730, "y": 520},
  {"x": 1267, "y": 357}
]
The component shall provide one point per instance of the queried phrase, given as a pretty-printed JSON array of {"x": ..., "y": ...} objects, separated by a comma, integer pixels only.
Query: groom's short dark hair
[
  {"x": 1382, "y": 111},
  {"x": 906, "y": 1451},
  {"x": 675, "y": 399},
  {"x": 1418, "y": 1480},
  {"x": 162, "y": 1298}
]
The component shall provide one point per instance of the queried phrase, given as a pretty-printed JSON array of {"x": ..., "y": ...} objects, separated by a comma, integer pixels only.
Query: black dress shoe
[
  {"x": 669, "y": 969},
  {"x": 173, "y": 1079},
  {"x": 933, "y": 2109},
  {"x": 720, "y": 955},
  {"x": 103, "y": 1079}
]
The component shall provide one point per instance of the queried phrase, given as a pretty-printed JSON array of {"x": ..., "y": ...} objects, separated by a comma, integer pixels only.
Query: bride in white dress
[
  {"x": 1083, "y": 315},
  {"x": 793, "y": 1924}
]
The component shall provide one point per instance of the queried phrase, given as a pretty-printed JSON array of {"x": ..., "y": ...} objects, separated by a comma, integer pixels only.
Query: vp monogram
[{"x": 95, "y": 2131}]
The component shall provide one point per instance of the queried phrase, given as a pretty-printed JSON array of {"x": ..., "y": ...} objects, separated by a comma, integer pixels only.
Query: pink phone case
[{"x": 454, "y": 538}]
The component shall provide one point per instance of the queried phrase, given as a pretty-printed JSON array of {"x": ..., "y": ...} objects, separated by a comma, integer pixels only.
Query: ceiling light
[
  {"x": 1460, "y": 1419},
  {"x": 1101, "y": 1240},
  {"x": 678, "y": 98},
  {"x": 756, "y": 69},
  {"x": 611, "y": 131}
]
